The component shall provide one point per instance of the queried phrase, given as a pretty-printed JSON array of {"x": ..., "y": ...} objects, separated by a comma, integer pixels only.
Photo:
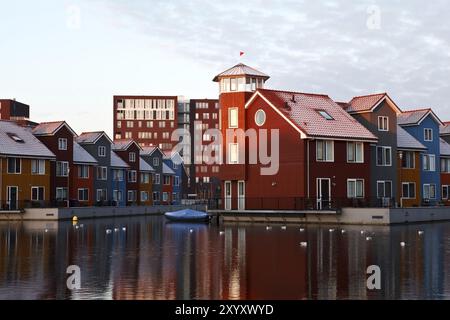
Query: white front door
[
  {"x": 228, "y": 195},
  {"x": 323, "y": 193},
  {"x": 241, "y": 195}
]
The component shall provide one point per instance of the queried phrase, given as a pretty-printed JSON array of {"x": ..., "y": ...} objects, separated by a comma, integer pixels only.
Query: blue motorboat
[{"x": 187, "y": 215}]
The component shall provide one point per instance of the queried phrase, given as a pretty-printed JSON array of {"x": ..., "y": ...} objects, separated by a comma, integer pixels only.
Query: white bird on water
[
  {"x": 362, "y": 231},
  {"x": 116, "y": 229},
  {"x": 108, "y": 231},
  {"x": 191, "y": 230},
  {"x": 221, "y": 233},
  {"x": 343, "y": 231},
  {"x": 46, "y": 230},
  {"x": 76, "y": 227},
  {"x": 124, "y": 229},
  {"x": 268, "y": 228},
  {"x": 283, "y": 227},
  {"x": 302, "y": 230},
  {"x": 402, "y": 244},
  {"x": 420, "y": 232},
  {"x": 304, "y": 244},
  {"x": 331, "y": 230},
  {"x": 368, "y": 238}
]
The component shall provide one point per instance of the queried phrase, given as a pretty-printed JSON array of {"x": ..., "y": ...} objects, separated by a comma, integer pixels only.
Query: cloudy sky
[{"x": 68, "y": 58}]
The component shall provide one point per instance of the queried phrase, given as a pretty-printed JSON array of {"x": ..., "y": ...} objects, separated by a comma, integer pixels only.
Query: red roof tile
[
  {"x": 303, "y": 110},
  {"x": 364, "y": 103}
]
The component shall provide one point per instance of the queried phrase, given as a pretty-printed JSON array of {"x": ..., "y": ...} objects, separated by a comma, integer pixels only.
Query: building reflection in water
[{"x": 153, "y": 259}]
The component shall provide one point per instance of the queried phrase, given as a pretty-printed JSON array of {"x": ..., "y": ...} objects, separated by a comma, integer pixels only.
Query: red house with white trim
[{"x": 324, "y": 153}]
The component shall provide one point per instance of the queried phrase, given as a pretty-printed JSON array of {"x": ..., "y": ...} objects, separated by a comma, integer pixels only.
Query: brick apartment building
[{"x": 149, "y": 120}]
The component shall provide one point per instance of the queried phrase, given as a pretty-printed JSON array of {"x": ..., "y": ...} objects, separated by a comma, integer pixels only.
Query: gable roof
[
  {"x": 144, "y": 166},
  {"x": 445, "y": 129},
  {"x": 124, "y": 144},
  {"x": 29, "y": 146},
  {"x": 92, "y": 137},
  {"x": 241, "y": 70},
  {"x": 51, "y": 128},
  {"x": 167, "y": 170},
  {"x": 369, "y": 103},
  {"x": 81, "y": 156},
  {"x": 174, "y": 156},
  {"x": 407, "y": 141},
  {"x": 301, "y": 110},
  {"x": 415, "y": 117},
  {"x": 148, "y": 151},
  {"x": 445, "y": 148},
  {"x": 117, "y": 162}
]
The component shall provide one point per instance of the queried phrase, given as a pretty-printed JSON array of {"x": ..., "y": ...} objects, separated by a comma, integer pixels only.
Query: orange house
[
  {"x": 408, "y": 168},
  {"x": 24, "y": 169}
]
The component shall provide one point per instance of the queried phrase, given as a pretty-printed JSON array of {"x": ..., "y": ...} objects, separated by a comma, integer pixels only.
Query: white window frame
[
  {"x": 354, "y": 151},
  {"x": 40, "y": 165},
  {"x": 233, "y": 157},
  {"x": 442, "y": 191},
  {"x": 102, "y": 177},
  {"x": 62, "y": 190},
  {"x": 425, "y": 138},
  {"x": 432, "y": 164},
  {"x": 384, "y": 126},
  {"x": 233, "y": 122},
  {"x": 384, "y": 163},
  {"x": 63, "y": 173},
  {"x": 62, "y": 144},
  {"x": 384, "y": 183},
  {"x": 102, "y": 151},
  {"x": 355, "y": 181},
  {"x": 132, "y": 176},
  {"x": 38, "y": 193},
  {"x": 409, "y": 190},
  {"x": 325, "y": 144},
  {"x": 156, "y": 162},
  {"x": 15, "y": 165},
  {"x": 132, "y": 156},
  {"x": 429, "y": 191},
  {"x": 413, "y": 160},
  {"x": 84, "y": 190}
]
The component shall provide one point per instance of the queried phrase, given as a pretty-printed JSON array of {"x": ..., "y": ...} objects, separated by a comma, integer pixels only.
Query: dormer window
[
  {"x": 62, "y": 144},
  {"x": 383, "y": 124},
  {"x": 325, "y": 114},
  {"x": 16, "y": 138},
  {"x": 428, "y": 134}
]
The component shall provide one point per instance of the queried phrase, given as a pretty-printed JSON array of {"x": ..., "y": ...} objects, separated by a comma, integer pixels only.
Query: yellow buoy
[{"x": 75, "y": 219}]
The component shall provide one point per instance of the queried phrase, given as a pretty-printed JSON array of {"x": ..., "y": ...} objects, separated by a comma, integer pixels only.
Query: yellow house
[{"x": 24, "y": 168}]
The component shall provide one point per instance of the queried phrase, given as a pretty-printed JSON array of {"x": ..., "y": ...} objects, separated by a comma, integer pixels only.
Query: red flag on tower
[{"x": 241, "y": 53}]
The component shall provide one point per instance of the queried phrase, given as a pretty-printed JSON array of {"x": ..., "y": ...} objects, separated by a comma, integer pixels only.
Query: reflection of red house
[
  {"x": 315, "y": 137},
  {"x": 58, "y": 137},
  {"x": 82, "y": 186}
]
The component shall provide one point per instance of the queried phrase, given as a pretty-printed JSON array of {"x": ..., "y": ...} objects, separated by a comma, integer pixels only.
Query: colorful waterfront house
[
  {"x": 445, "y": 172},
  {"x": 424, "y": 126},
  {"x": 445, "y": 132},
  {"x": 98, "y": 145},
  {"x": 378, "y": 113},
  {"x": 409, "y": 168},
  {"x": 323, "y": 152},
  {"x": 168, "y": 176},
  {"x": 154, "y": 157},
  {"x": 59, "y": 137},
  {"x": 128, "y": 150},
  {"x": 118, "y": 172},
  {"x": 24, "y": 168},
  {"x": 146, "y": 190},
  {"x": 175, "y": 162},
  {"x": 82, "y": 190}
]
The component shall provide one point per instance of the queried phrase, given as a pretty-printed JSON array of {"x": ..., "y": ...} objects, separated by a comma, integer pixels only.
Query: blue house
[
  {"x": 175, "y": 162},
  {"x": 118, "y": 172},
  {"x": 424, "y": 125}
]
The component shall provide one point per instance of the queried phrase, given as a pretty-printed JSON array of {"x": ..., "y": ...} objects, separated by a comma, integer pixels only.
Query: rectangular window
[
  {"x": 38, "y": 167},
  {"x": 233, "y": 86},
  {"x": 176, "y": 181},
  {"x": 101, "y": 195},
  {"x": 14, "y": 165},
  {"x": 384, "y": 189},
  {"x": 408, "y": 160},
  {"x": 166, "y": 180},
  {"x": 384, "y": 156},
  {"x": 355, "y": 152},
  {"x": 429, "y": 162},
  {"x": 145, "y": 178},
  {"x": 155, "y": 162},
  {"x": 445, "y": 190},
  {"x": 117, "y": 175},
  {"x": 62, "y": 144},
  {"x": 408, "y": 190},
  {"x": 132, "y": 195},
  {"x": 156, "y": 178},
  {"x": 117, "y": 195},
  {"x": 165, "y": 197},
  {"x": 102, "y": 151},
  {"x": 62, "y": 169},
  {"x": 83, "y": 194},
  {"x": 445, "y": 165},
  {"x": 37, "y": 194},
  {"x": 428, "y": 134},
  {"x": 132, "y": 157},
  {"x": 61, "y": 194},
  {"x": 383, "y": 123},
  {"x": 325, "y": 114},
  {"x": 429, "y": 191},
  {"x": 144, "y": 196},
  {"x": 102, "y": 173},
  {"x": 234, "y": 153},
  {"x": 155, "y": 196},
  {"x": 132, "y": 176},
  {"x": 233, "y": 120},
  {"x": 355, "y": 188},
  {"x": 324, "y": 151},
  {"x": 83, "y": 172}
]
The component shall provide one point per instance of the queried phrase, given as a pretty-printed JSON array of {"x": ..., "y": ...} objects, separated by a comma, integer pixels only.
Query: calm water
[{"x": 153, "y": 259}]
